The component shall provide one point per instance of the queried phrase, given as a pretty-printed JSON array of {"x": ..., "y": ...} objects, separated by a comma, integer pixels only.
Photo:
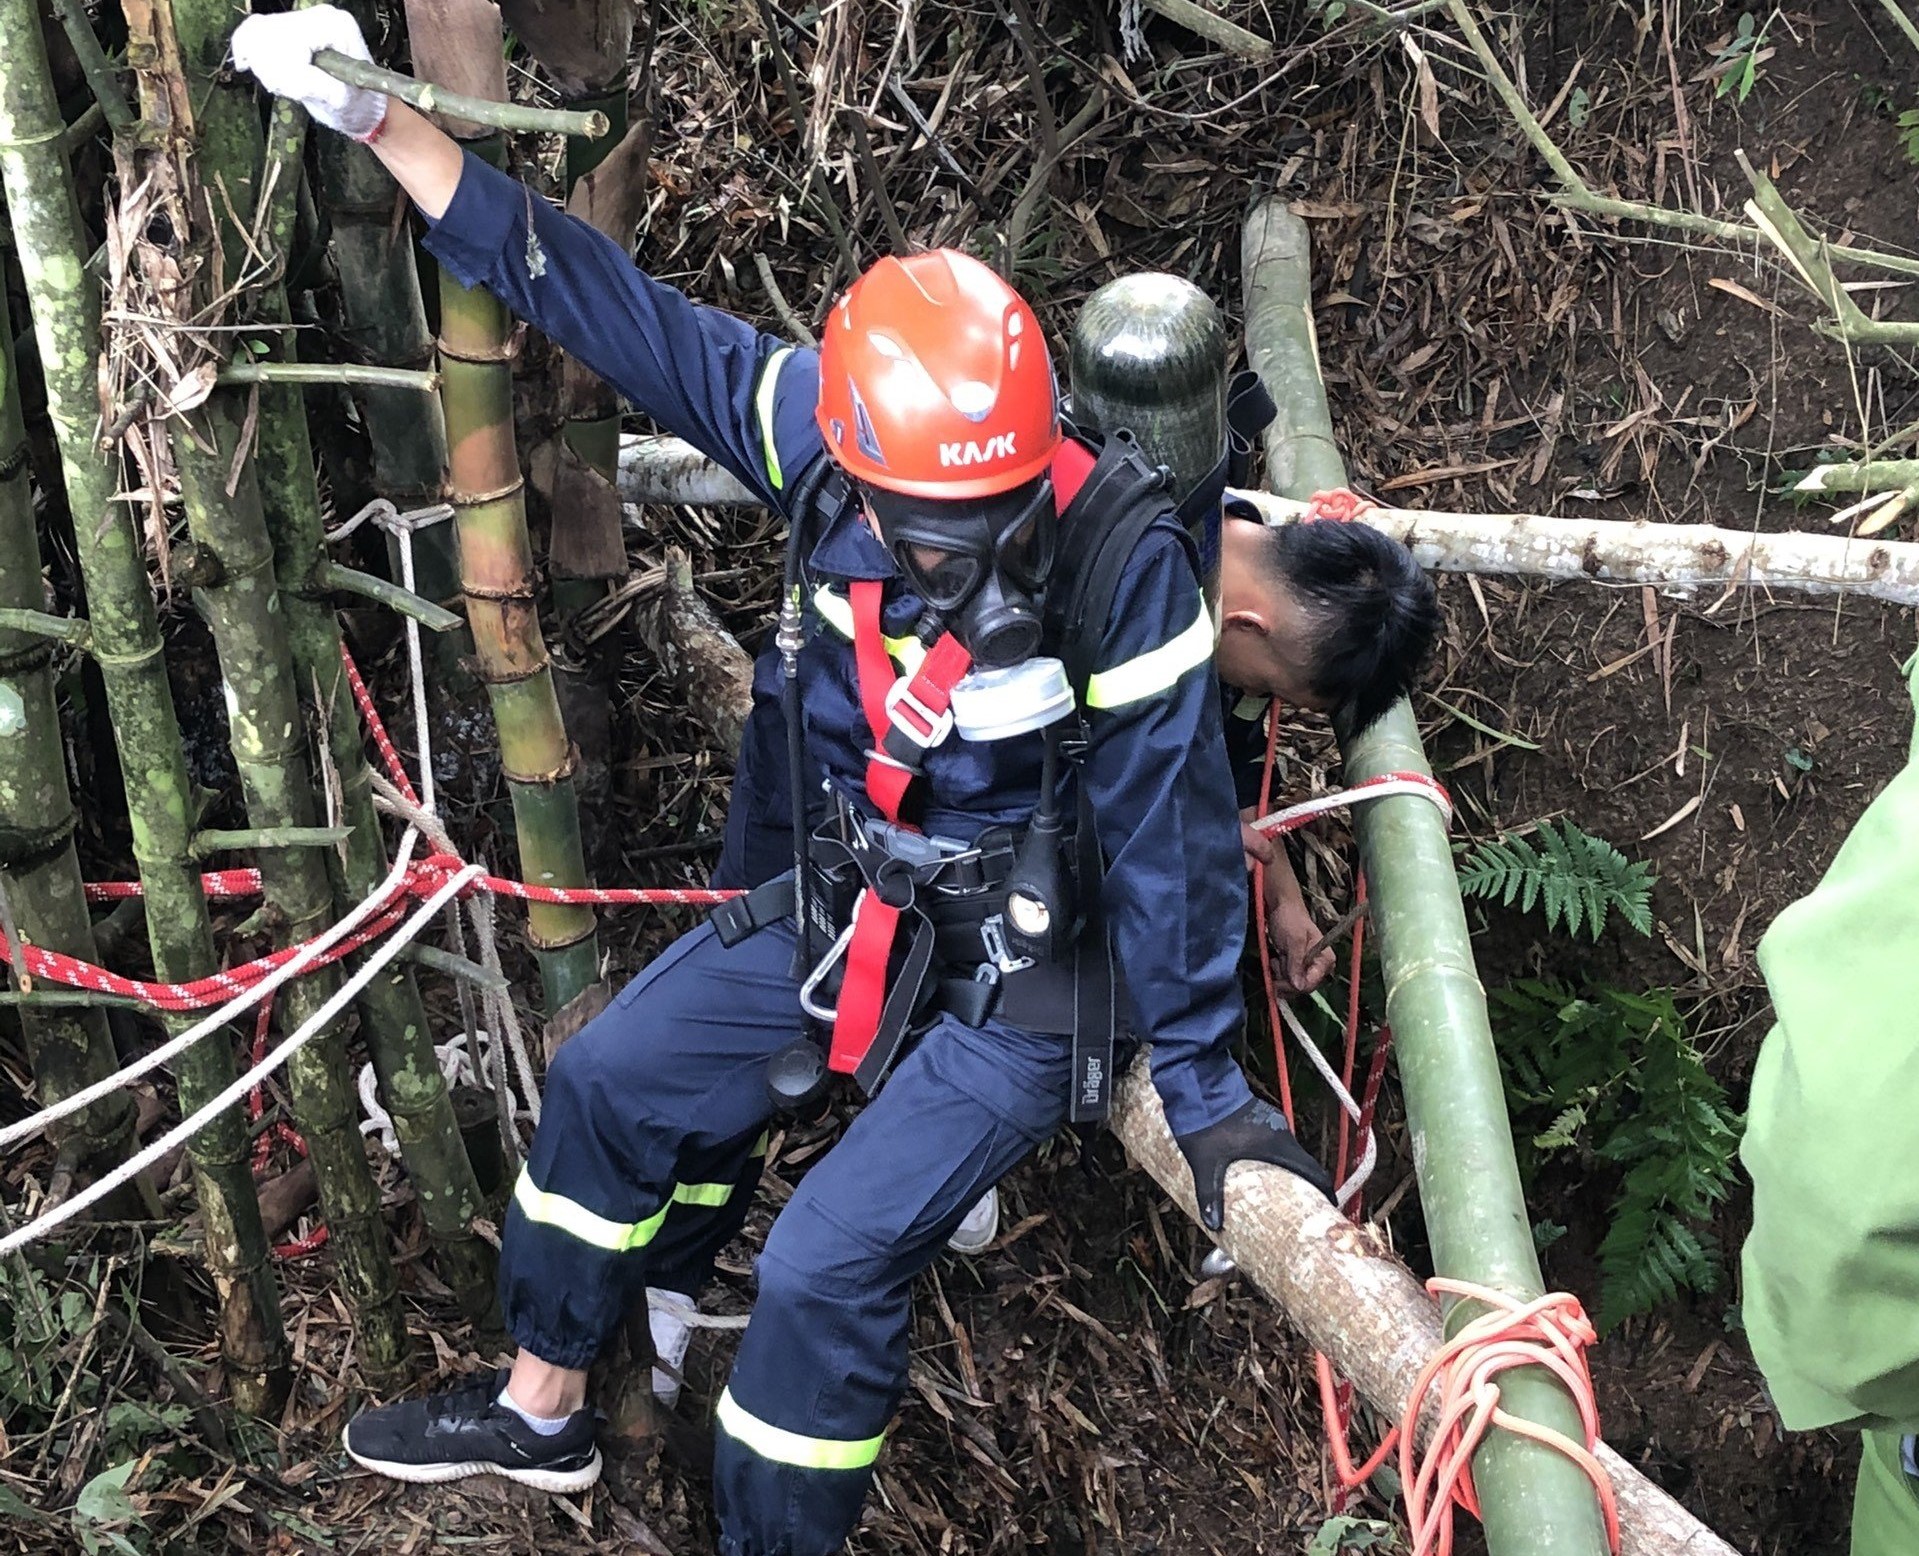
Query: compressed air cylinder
[{"x": 1148, "y": 356}]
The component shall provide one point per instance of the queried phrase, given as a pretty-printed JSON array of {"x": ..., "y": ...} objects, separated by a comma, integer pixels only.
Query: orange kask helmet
[{"x": 935, "y": 381}]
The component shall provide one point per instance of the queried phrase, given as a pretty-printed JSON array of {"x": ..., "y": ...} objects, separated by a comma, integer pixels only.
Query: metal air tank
[{"x": 1148, "y": 355}]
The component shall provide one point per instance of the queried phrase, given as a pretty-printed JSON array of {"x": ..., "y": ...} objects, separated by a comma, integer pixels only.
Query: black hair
[{"x": 1374, "y": 612}]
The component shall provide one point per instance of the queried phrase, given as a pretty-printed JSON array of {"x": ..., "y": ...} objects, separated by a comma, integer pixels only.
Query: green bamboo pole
[
  {"x": 399, "y": 1038},
  {"x": 66, "y": 314},
  {"x": 459, "y": 43},
  {"x": 179, "y": 49},
  {"x": 70, "y": 1049},
  {"x": 496, "y": 560},
  {"x": 1535, "y": 1502}
]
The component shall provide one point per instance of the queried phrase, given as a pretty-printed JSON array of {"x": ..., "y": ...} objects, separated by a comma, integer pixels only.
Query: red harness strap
[{"x": 916, "y": 713}]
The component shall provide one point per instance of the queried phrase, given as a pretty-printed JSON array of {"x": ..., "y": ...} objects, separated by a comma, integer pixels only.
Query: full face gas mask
[{"x": 980, "y": 564}]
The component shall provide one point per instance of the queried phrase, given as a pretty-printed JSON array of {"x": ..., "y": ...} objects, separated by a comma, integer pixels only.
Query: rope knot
[{"x": 1342, "y": 505}]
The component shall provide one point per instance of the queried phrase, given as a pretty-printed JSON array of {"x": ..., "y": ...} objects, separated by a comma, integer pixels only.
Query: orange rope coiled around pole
[{"x": 1553, "y": 1332}]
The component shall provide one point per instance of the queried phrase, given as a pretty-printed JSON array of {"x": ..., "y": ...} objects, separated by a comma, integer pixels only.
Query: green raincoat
[{"x": 1832, "y": 1266}]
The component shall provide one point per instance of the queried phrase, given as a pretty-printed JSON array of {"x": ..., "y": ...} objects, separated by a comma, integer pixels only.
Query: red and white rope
[
  {"x": 238, "y": 1089},
  {"x": 303, "y": 958}
]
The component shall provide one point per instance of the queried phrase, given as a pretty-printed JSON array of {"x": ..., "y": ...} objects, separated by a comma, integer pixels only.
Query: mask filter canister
[{"x": 998, "y": 704}]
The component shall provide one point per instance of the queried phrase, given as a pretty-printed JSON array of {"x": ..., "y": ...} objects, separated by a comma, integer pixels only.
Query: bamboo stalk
[
  {"x": 239, "y": 374},
  {"x": 1535, "y": 1502},
  {"x": 66, "y": 315},
  {"x": 195, "y": 125},
  {"x": 399, "y": 1036},
  {"x": 101, "y": 75},
  {"x": 69, "y": 1050},
  {"x": 488, "y": 495},
  {"x": 1526, "y": 545}
]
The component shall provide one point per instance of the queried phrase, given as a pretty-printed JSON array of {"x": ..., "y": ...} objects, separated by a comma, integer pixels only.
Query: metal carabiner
[{"x": 818, "y": 975}]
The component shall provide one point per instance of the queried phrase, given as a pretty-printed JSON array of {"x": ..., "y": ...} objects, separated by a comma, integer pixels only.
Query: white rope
[
  {"x": 683, "y": 1311},
  {"x": 1370, "y": 1154},
  {"x": 1340, "y": 799},
  {"x": 188, "y": 1127},
  {"x": 292, "y": 968}
]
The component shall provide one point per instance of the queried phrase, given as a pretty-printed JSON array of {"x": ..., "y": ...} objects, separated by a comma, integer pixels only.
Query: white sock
[{"x": 546, "y": 1426}]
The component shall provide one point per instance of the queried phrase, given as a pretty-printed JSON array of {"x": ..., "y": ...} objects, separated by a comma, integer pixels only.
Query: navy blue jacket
[{"x": 1161, "y": 792}]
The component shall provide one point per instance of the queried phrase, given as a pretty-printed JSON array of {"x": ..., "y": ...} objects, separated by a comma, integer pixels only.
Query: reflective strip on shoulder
[
  {"x": 556, "y": 1210},
  {"x": 1156, "y": 671},
  {"x": 784, "y": 1447},
  {"x": 837, "y": 613},
  {"x": 763, "y": 412}
]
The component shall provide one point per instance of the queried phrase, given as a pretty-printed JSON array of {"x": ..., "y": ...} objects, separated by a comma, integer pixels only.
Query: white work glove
[{"x": 279, "y": 50}]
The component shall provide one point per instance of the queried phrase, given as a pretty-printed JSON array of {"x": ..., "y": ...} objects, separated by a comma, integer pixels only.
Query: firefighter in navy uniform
[{"x": 931, "y": 404}]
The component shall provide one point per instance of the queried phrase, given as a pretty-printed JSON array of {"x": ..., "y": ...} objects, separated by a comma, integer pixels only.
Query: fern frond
[{"x": 1576, "y": 879}]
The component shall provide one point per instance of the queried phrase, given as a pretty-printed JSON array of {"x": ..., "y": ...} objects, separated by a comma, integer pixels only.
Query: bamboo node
[
  {"x": 462, "y": 500},
  {"x": 547, "y": 779}
]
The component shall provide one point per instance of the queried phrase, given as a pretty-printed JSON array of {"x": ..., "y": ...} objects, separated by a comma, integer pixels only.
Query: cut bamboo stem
[
  {"x": 1534, "y": 1501},
  {"x": 201, "y": 128},
  {"x": 429, "y": 98},
  {"x": 47, "y": 234},
  {"x": 1527, "y": 545}
]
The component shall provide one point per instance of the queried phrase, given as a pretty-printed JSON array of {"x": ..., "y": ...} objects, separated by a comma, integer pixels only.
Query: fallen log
[
  {"x": 710, "y": 670},
  {"x": 1347, "y": 1294},
  {"x": 1526, "y": 545}
]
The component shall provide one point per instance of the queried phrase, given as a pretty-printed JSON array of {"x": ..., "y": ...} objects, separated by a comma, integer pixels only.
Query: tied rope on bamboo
[{"x": 1552, "y": 1331}]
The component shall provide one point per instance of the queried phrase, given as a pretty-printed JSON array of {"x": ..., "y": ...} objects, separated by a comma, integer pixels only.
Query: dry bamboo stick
[{"x": 1527, "y": 545}]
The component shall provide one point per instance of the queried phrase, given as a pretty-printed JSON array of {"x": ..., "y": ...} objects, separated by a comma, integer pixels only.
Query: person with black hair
[{"x": 1333, "y": 617}]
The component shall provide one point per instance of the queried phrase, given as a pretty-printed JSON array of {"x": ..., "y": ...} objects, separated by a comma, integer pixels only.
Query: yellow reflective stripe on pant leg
[
  {"x": 574, "y": 1219},
  {"x": 784, "y": 1447},
  {"x": 1156, "y": 671},
  {"x": 837, "y": 613},
  {"x": 763, "y": 411}
]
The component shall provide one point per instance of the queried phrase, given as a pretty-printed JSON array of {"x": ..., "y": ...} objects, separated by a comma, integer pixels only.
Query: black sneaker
[{"x": 467, "y": 1431}]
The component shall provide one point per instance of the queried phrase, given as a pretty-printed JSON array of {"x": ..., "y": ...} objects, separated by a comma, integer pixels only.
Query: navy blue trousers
[{"x": 641, "y": 1169}]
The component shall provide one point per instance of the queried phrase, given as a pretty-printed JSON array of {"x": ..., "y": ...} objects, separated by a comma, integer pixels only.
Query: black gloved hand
[{"x": 1255, "y": 1133}]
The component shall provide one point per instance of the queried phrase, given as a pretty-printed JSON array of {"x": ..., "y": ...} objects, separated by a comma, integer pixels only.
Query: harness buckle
[
  {"x": 914, "y": 720},
  {"x": 992, "y": 934}
]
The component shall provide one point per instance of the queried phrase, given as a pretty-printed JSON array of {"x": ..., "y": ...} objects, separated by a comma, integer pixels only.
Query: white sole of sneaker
[{"x": 433, "y": 1474}]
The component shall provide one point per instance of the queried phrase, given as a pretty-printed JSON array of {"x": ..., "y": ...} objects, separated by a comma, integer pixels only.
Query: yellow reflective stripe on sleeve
[
  {"x": 763, "y": 412},
  {"x": 576, "y": 1220},
  {"x": 784, "y": 1447},
  {"x": 837, "y": 612},
  {"x": 1155, "y": 671}
]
